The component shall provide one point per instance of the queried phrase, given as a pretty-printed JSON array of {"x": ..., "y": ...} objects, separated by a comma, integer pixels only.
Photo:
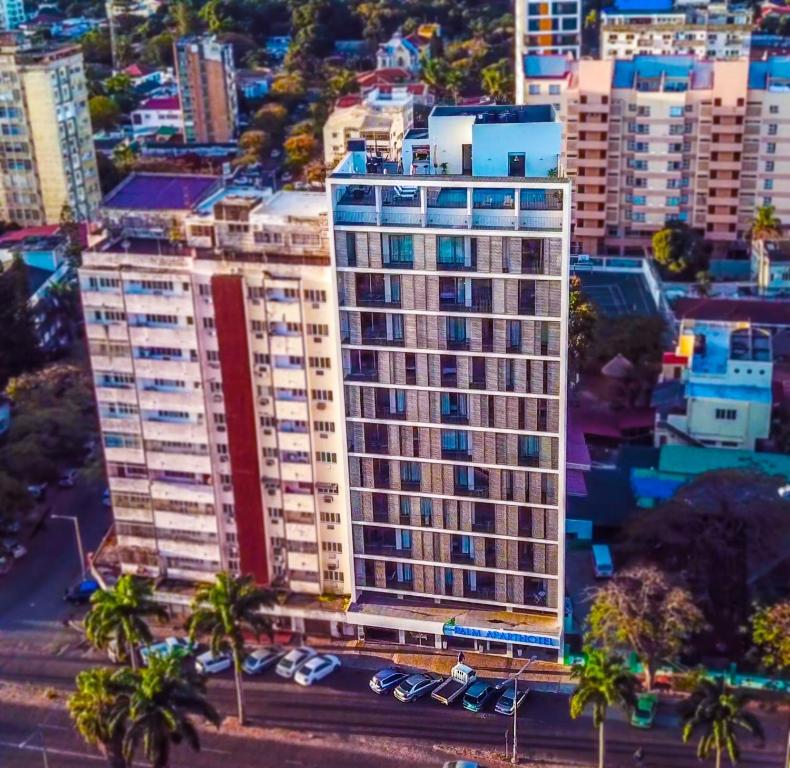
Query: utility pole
[
  {"x": 80, "y": 550},
  {"x": 514, "y": 758}
]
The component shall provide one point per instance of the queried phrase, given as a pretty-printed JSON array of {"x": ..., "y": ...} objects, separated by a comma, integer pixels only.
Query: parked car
[
  {"x": 387, "y": 679},
  {"x": 178, "y": 647},
  {"x": 106, "y": 499},
  {"x": 294, "y": 659},
  {"x": 38, "y": 491},
  {"x": 453, "y": 687},
  {"x": 209, "y": 664},
  {"x": 5, "y": 564},
  {"x": 461, "y": 764},
  {"x": 507, "y": 701},
  {"x": 645, "y": 710},
  {"x": 68, "y": 478},
  {"x": 81, "y": 593},
  {"x": 479, "y": 694},
  {"x": 17, "y": 550},
  {"x": 262, "y": 659},
  {"x": 316, "y": 669},
  {"x": 415, "y": 687},
  {"x": 10, "y": 526}
]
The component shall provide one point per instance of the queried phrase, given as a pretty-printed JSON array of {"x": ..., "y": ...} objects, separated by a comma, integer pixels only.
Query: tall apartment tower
[
  {"x": 12, "y": 14},
  {"x": 547, "y": 27},
  {"x": 219, "y": 395},
  {"x": 656, "y": 139},
  {"x": 206, "y": 79},
  {"x": 47, "y": 142},
  {"x": 453, "y": 293}
]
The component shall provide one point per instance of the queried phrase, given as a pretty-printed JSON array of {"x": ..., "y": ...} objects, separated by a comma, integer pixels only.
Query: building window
[
  {"x": 331, "y": 546},
  {"x": 322, "y": 395},
  {"x": 769, "y": 166},
  {"x": 773, "y": 129},
  {"x": 324, "y": 426},
  {"x": 534, "y": 89},
  {"x": 768, "y": 184},
  {"x": 774, "y": 109},
  {"x": 325, "y": 457},
  {"x": 771, "y": 148},
  {"x": 726, "y": 414}
]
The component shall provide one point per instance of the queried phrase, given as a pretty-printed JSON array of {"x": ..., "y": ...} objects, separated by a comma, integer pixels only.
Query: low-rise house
[
  {"x": 143, "y": 75},
  {"x": 382, "y": 117},
  {"x": 253, "y": 83},
  {"x": 399, "y": 51},
  {"x": 276, "y": 47},
  {"x": 716, "y": 387},
  {"x": 771, "y": 266},
  {"x": 155, "y": 113}
]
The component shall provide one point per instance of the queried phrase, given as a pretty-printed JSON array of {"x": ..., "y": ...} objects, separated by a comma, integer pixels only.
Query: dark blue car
[{"x": 81, "y": 593}]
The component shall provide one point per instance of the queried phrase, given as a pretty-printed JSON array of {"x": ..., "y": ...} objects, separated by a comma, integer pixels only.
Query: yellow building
[{"x": 46, "y": 143}]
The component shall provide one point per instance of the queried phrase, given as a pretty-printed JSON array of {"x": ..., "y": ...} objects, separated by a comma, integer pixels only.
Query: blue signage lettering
[{"x": 501, "y": 635}]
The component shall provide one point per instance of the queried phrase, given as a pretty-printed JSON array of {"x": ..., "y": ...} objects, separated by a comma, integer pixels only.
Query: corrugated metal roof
[
  {"x": 640, "y": 6},
  {"x": 546, "y": 66},
  {"x": 687, "y": 460}
]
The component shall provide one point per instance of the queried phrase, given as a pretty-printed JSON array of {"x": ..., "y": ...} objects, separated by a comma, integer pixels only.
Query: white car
[
  {"x": 170, "y": 646},
  {"x": 293, "y": 660},
  {"x": 316, "y": 669},
  {"x": 262, "y": 659},
  {"x": 17, "y": 551},
  {"x": 209, "y": 664}
]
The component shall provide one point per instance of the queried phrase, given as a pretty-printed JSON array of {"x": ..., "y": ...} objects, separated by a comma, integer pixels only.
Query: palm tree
[
  {"x": 224, "y": 610},
  {"x": 160, "y": 703},
  {"x": 119, "y": 615},
  {"x": 497, "y": 81},
  {"x": 765, "y": 225},
  {"x": 99, "y": 708},
  {"x": 716, "y": 713},
  {"x": 604, "y": 681}
]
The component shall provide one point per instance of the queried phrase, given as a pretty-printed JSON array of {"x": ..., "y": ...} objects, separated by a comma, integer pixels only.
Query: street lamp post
[
  {"x": 80, "y": 550},
  {"x": 514, "y": 758}
]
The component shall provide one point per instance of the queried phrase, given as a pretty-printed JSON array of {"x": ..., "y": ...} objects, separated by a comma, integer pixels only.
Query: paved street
[
  {"x": 31, "y": 594},
  {"x": 337, "y": 723}
]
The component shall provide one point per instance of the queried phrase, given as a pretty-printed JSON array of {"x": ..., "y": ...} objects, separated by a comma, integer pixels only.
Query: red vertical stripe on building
[{"x": 237, "y": 386}]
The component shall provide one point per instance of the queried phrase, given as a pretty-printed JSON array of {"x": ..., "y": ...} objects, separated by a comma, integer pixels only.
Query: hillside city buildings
[
  {"x": 657, "y": 138},
  {"x": 213, "y": 349},
  {"x": 46, "y": 144},
  {"x": 453, "y": 294},
  {"x": 206, "y": 77},
  {"x": 717, "y": 30}
]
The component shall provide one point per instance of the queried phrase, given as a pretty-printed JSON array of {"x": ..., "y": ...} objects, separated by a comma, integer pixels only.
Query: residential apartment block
[
  {"x": 722, "y": 374},
  {"x": 381, "y": 117},
  {"x": 771, "y": 266},
  {"x": 46, "y": 146},
  {"x": 453, "y": 293},
  {"x": 659, "y": 138},
  {"x": 717, "y": 30},
  {"x": 211, "y": 320},
  {"x": 548, "y": 27},
  {"x": 206, "y": 77},
  {"x": 12, "y": 14}
]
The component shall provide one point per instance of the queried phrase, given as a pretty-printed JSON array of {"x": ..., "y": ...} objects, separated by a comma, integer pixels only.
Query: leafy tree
[
  {"x": 716, "y": 714},
  {"x": 771, "y": 636},
  {"x": 720, "y": 531},
  {"x": 603, "y": 682},
  {"x": 185, "y": 19},
  {"x": 254, "y": 143},
  {"x": 96, "y": 46},
  {"x": 160, "y": 705},
  {"x": 223, "y": 610},
  {"x": 19, "y": 349},
  {"x": 316, "y": 171},
  {"x": 300, "y": 149},
  {"x": 119, "y": 614},
  {"x": 583, "y": 317},
  {"x": 498, "y": 81},
  {"x": 436, "y": 74},
  {"x": 640, "y": 338},
  {"x": 14, "y": 498},
  {"x": 105, "y": 113},
  {"x": 340, "y": 81},
  {"x": 678, "y": 249},
  {"x": 99, "y": 708},
  {"x": 765, "y": 225},
  {"x": 289, "y": 88},
  {"x": 271, "y": 118},
  {"x": 211, "y": 13},
  {"x": 704, "y": 282},
  {"x": 121, "y": 88},
  {"x": 640, "y": 610}
]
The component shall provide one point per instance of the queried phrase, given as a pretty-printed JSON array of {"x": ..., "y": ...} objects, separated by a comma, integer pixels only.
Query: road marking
[{"x": 216, "y": 751}]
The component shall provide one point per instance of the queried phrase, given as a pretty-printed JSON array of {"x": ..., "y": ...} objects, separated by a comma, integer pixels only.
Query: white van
[{"x": 602, "y": 561}]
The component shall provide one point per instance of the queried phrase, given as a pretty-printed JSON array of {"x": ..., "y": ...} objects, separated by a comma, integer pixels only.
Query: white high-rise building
[
  {"x": 547, "y": 27},
  {"x": 212, "y": 325},
  {"x": 12, "y": 14},
  {"x": 453, "y": 293}
]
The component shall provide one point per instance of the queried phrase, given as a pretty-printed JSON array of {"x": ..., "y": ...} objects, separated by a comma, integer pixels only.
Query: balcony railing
[
  {"x": 376, "y": 300},
  {"x": 479, "y": 493},
  {"x": 362, "y": 374},
  {"x": 478, "y": 304},
  {"x": 389, "y": 550},
  {"x": 381, "y": 341}
]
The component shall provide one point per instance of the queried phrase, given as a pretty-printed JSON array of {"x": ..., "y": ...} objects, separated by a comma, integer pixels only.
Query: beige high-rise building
[
  {"x": 656, "y": 139},
  {"x": 218, "y": 385},
  {"x": 46, "y": 145}
]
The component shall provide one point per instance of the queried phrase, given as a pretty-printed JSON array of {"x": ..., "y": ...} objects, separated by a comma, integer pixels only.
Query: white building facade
[
  {"x": 452, "y": 287},
  {"x": 219, "y": 396}
]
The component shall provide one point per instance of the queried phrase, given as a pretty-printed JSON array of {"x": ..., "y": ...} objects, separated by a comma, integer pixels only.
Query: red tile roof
[
  {"x": 164, "y": 103},
  {"x": 348, "y": 101},
  {"x": 670, "y": 358},
  {"x": 138, "y": 70},
  {"x": 386, "y": 76},
  {"x": 760, "y": 311}
]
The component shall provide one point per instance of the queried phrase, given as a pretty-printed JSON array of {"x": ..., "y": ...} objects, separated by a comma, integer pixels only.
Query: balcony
[
  {"x": 478, "y": 492},
  {"x": 483, "y": 518},
  {"x": 454, "y": 417},
  {"x": 378, "y": 340},
  {"x": 362, "y": 374},
  {"x": 478, "y": 303},
  {"x": 376, "y": 299},
  {"x": 458, "y": 343}
]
